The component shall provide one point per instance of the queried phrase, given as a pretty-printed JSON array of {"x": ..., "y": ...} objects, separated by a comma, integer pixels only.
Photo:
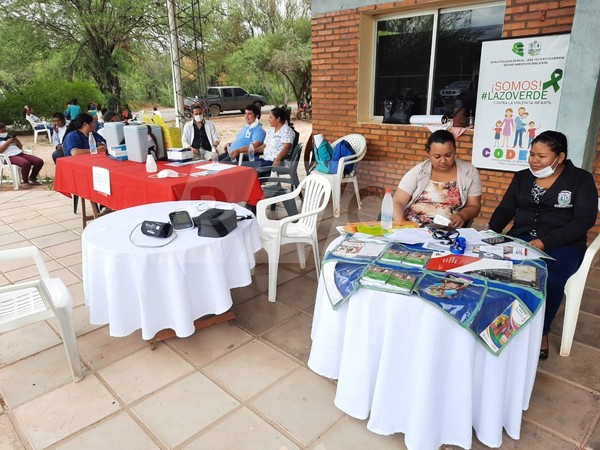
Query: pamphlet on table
[{"x": 478, "y": 289}]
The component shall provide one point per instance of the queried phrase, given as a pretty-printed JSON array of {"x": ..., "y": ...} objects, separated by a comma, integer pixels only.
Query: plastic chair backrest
[
  {"x": 317, "y": 191},
  {"x": 358, "y": 143}
]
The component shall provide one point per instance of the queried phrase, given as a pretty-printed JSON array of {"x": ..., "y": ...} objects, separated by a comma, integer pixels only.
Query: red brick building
[{"x": 345, "y": 97}]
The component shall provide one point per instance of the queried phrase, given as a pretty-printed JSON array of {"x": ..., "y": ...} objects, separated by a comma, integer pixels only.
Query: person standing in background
[{"x": 73, "y": 109}]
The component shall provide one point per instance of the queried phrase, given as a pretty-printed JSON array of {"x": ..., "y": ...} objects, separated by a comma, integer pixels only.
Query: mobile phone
[
  {"x": 181, "y": 220},
  {"x": 495, "y": 240}
]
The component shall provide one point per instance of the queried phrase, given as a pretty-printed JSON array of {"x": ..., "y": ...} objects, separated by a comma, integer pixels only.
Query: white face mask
[
  {"x": 546, "y": 172},
  {"x": 199, "y": 118},
  {"x": 3, "y": 135}
]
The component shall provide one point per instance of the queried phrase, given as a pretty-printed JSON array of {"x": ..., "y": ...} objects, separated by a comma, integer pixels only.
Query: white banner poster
[{"x": 518, "y": 96}]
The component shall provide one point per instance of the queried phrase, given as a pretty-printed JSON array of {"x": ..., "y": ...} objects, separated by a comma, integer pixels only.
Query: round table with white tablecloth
[
  {"x": 132, "y": 281},
  {"x": 409, "y": 368}
]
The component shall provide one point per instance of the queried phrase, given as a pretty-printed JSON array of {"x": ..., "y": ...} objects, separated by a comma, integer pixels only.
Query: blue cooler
[
  {"x": 113, "y": 133},
  {"x": 160, "y": 151},
  {"x": 136, "y": 140}
]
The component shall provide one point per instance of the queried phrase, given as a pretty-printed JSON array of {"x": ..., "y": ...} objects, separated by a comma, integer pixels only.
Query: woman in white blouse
[{"x": 279, "y": 140}]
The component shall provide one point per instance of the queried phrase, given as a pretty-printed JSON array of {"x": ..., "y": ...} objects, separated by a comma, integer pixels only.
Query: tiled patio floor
[{"x": 243, "y": 385}]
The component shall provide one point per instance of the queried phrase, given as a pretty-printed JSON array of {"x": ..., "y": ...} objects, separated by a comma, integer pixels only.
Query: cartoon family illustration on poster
[
  {"x": 518, "y": 97},
  {"x": 521, "y": 127}
]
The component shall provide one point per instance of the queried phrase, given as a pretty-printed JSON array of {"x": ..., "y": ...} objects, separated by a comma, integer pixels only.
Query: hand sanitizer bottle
[{"x": 151, "y": 164}]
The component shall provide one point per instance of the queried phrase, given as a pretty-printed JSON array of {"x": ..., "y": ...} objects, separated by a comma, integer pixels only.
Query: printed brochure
[
  {"x": 388, "y": 279},
  {"x": 497, "y": 334},
  {"x": 357, "y": 250}
]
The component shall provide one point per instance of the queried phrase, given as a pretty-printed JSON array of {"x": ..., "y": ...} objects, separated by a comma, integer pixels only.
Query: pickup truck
[{"x": 226, "y": 98}]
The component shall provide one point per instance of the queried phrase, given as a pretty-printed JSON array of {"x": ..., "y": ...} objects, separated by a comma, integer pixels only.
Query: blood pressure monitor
[{"x": 181, "y": 220}]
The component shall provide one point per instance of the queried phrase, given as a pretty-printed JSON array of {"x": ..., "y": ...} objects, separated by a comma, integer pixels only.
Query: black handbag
[
  {"x": 216, "y": 222},
  {"x": 397, "y": 111}
]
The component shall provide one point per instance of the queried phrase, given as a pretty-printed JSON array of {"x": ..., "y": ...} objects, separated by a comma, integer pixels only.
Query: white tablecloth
[
  {"x": 132, "y": 287},
  {"x": 411, "y": 369}
]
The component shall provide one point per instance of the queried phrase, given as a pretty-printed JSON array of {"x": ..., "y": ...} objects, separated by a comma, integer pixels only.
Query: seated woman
[
  {"x": 76, "y": 139},
  {"x": 441, "y": 185},
  {"x": 279, "y": 139},
  {"x": 35, "y": 121},
  {"x": 553, "y": 204},
  {"x": 30, "y": 165}
]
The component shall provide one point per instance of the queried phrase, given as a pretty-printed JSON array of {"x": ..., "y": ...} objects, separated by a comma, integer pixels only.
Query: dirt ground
[{"x": 227, "y": 125}]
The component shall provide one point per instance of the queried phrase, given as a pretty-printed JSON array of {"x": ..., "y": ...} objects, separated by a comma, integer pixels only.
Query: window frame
[{"x": 436, "y": 13}]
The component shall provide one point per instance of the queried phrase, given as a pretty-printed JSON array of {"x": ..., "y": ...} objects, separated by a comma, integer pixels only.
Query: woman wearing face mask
[
  {"x": 553, "y": 204},
  {"x": 199, "y": 133}
]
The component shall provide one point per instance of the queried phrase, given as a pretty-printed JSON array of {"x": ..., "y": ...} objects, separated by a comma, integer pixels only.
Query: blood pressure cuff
[{"x": 216, "y": 222}]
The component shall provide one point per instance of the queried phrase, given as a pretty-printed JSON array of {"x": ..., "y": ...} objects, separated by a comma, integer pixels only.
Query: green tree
[{"x": 103, "y": 32}]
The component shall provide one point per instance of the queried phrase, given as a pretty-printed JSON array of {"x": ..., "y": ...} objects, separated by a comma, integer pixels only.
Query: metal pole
[{"x": 175, "y": 63}]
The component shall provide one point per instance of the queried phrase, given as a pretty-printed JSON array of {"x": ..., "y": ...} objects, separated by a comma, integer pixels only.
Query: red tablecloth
[{"x": 131, "y": 186}]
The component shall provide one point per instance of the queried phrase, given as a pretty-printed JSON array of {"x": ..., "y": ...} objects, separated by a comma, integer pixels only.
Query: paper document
[
  {"x": 101, "y": 179},
  {"x": 215, "y": 167}
]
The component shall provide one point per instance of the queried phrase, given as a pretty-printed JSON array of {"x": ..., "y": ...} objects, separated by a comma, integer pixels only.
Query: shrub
[{"x": 46, "y": 97}]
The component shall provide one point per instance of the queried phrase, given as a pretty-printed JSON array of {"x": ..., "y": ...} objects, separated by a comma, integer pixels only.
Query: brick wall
[{"x": 393, "y": 149}]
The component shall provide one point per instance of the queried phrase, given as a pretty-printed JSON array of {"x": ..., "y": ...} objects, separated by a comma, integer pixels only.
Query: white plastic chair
[
  {"x": 359, "y": 144},
  {"x": 573, "y": 293},
  {"x": 32, "y": 301},
  {"x": 300, "y": 228},
  {"x": 41, "y": 130},
  {"x": 15, "y": 171}
]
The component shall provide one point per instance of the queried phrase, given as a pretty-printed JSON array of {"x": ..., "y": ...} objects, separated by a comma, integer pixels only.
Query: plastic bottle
[
  {"x": 150, "y": 164},
  {"x": 387, "y": 210},
  {"x": 214, "y": 156},
  {"x": 92, "y": 142},
  {"x": 251, "y": 152},
  {"x": 233, "y": 158}
]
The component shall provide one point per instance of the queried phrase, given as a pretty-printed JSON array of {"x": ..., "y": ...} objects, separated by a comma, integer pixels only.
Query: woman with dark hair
[
  {"x": 553, "y": 204},
  {"x": 279, "y": 139},
  {"x": 76, "y": 139},
  {"x": 441, "y": 185}
]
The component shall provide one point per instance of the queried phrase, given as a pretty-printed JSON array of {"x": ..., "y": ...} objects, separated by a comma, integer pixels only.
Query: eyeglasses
[{"x": 446, "y": 237}]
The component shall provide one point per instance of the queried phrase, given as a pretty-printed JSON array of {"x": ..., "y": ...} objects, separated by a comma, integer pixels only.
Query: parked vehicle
[
  {"x": 230, "y": 98},
  {"x": 463, "y": 90},
  {"x": 304, "y": 111},
  {"x": 188, "y": 102}
]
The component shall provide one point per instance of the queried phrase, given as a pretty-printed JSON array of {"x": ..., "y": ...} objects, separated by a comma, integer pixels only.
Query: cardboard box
[
  {"x": 118, "y": 152},
  {"x": 179, "y": 154}
]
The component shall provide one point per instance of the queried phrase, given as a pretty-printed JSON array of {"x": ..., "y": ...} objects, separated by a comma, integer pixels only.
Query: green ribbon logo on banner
[{"x": 553, "y": 81}]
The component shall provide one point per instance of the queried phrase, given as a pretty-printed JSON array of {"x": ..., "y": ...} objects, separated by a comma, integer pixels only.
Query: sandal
[
  {"x": 544, "y": 351},
  {"x": 24, "y": 186},
  {"x": 35, "y": 182}
]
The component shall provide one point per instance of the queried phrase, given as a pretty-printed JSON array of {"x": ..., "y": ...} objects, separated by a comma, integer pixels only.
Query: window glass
[
  {"x": 403, "y": 55},
  {"x": 402, "y": 64},
  {"x": 239, "y": 92},
  {"x": 227, "y": 92},
  {"x": 213, "y": 91},
  {"x": 457, "y": 72}
]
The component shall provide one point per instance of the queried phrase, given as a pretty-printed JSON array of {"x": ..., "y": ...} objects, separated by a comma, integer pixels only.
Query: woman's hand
[
  {"x": 538, "y": 244},
  {"x": 101, "y": 148},
  {"x": 457, "y": 220}
]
